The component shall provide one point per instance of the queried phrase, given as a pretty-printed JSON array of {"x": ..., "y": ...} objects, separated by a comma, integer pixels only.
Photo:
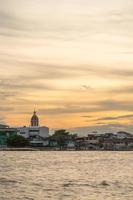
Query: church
[{"x": 34, "y": 129}]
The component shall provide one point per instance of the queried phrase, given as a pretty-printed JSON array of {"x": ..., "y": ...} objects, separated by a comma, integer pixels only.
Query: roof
[{"x": 3, "y": 126}]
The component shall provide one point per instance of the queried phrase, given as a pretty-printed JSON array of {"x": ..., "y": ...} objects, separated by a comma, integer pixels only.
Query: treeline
[{"x": 60, "y": 136}]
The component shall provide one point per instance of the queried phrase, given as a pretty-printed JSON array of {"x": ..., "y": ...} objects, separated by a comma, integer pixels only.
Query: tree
[
  {"x": 17, "y": 141},
  {"x": 61, "y": 132},
  {"x": 61, "y": 137}
]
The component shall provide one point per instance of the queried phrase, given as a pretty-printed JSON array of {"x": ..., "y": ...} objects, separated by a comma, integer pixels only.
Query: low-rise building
[
  {"x": 5, "y": 132},
  {"x": 34, "y": 129},
  {"x": 123, "y": 135}
]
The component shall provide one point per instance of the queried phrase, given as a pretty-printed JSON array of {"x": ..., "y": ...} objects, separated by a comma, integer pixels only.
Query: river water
[{"x": 66, "y": 175}]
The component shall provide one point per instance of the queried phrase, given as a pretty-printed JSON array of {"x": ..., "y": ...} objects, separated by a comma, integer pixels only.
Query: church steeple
[{"x": 34, "y": 119}]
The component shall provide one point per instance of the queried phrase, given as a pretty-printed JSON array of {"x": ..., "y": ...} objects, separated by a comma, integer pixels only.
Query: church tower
[{"x": 34, "y": 119}]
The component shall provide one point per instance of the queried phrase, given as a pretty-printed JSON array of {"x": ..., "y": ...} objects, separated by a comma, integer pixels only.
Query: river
[{"x": 66, "y": 175}]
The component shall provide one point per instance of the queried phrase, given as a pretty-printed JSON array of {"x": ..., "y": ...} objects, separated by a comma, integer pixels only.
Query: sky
[{"x": 71, "y": 60}]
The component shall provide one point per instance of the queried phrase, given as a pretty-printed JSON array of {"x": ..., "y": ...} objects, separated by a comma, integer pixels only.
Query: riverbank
[
  {"x": 18, "y": 149},
  {"x": 31, "y": 149},
  {"x": 51, "y": 149}
]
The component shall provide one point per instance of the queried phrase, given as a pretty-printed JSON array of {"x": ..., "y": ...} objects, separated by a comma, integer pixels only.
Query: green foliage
[
  {"x": 61, "y": 133},
  {"x": 17, "y": 141},
  {"x": 62, "y": 136}
]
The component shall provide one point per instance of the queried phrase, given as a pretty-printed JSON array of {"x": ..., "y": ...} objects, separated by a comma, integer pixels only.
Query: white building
[
  {"x": 34, "y": 130},
  {"x": 122, "y": 135}
]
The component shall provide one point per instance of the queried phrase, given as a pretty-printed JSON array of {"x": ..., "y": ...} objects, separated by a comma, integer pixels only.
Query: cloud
[
  {"x": 65, "y": 59},
  {"x": 24, "y": 83},
  {"x": 9, "y": 21},
  {"x": 59, "y": 22},
  {"x": 6, "y": 108},
  {"x": 49, "y": 70},
  {"x": 69, "y": 109},
  {"x": 115, "y": 118},
  {"x": 107, "y": 105},
  {"x": 87, "y": 116},
  {"x": 115, "y": 105},
  {"x": 86, "y": 87},
  {"x": 124, "y": 89},
  {"x": 102, "y": 128}
]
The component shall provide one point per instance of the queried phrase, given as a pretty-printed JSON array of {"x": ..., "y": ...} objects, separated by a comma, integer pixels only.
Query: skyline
[{"x": 71, "y": 60}]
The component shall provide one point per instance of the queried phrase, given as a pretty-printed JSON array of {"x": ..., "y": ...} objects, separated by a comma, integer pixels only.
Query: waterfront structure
[
  {"x": 34, "y": 132},
  {"x": 116, "y": 141},
  {"x": 122, "y": 135},
  {"x": 108, "y": 141},
  {"x": 5, "y": 132}
]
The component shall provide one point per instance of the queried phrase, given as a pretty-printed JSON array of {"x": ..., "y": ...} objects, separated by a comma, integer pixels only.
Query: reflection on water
[{"x": 66, "y": 175}]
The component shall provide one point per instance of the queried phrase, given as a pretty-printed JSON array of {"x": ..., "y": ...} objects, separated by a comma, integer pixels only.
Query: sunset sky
[{"x": 72, "y": 60}]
